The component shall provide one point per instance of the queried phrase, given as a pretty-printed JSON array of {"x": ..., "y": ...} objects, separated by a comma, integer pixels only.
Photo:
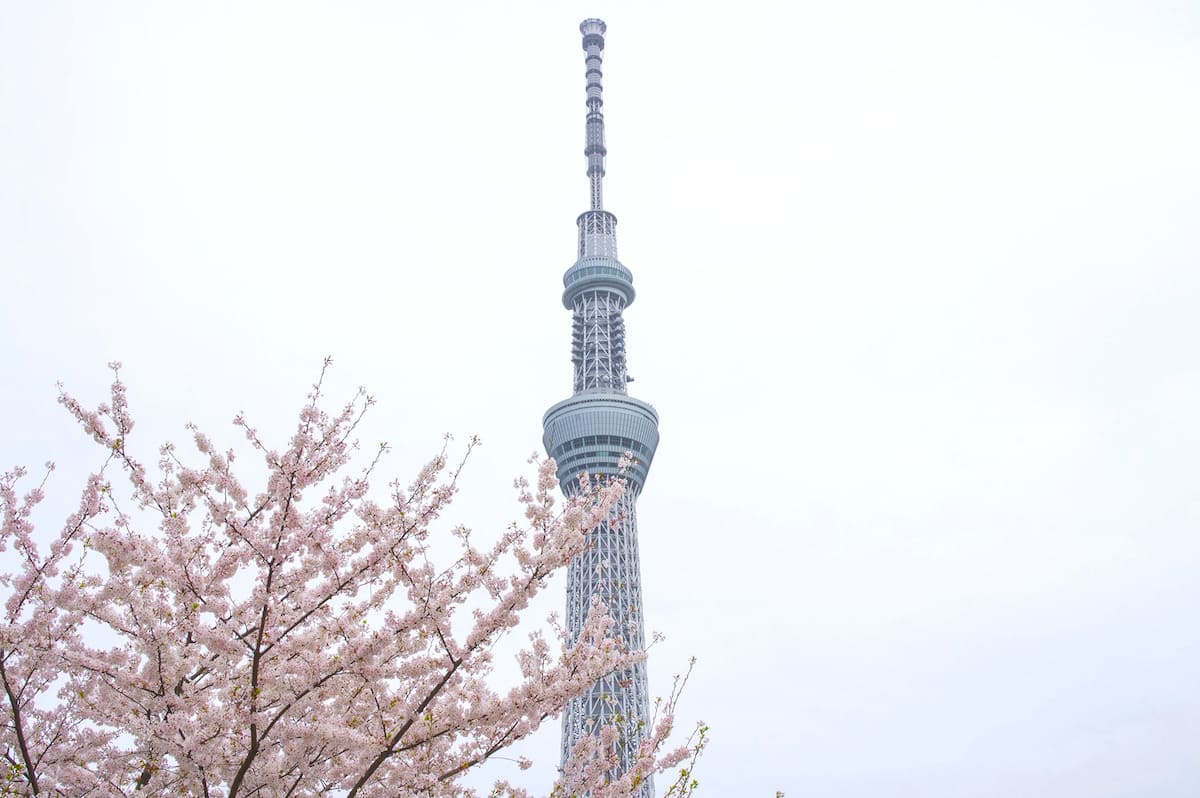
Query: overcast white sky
[{"x": 917, "y": 303}]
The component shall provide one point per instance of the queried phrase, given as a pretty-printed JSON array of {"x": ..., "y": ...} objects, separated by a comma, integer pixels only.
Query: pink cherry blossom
[{"x": 188, "y": 634}]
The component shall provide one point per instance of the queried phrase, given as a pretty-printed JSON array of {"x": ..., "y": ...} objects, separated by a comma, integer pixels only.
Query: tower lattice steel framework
[{"x": 591, "y": 432}]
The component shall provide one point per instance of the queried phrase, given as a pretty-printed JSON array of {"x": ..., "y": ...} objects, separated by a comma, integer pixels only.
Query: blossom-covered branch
[{"x": 191, "y": 634}]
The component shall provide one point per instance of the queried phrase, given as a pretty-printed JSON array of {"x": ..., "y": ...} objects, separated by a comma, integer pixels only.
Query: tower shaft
[
  {"x": 598, "y": 342},
  {"x": 592, "y": 432}
]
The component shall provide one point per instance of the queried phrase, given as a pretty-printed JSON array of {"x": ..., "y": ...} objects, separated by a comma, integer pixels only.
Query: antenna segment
[
  {"x": 593, "y": 44},
  {"x": 597, "y": 227}
]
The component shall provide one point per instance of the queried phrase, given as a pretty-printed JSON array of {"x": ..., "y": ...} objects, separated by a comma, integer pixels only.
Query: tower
[{"x": 593, "y": 430}]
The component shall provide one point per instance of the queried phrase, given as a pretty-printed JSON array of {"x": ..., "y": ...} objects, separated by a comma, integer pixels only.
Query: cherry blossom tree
[{"x": 185, "y": 634}]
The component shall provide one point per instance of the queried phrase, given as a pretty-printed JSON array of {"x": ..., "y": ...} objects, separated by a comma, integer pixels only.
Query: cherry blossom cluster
[{"x": 200, "y": 637}]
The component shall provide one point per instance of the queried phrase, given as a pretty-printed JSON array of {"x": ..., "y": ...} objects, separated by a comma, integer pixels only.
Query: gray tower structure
[{"x": 593, "y": 430}]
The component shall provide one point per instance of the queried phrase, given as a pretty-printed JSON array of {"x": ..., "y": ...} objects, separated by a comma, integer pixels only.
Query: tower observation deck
[{"x": 593, "y": 430}]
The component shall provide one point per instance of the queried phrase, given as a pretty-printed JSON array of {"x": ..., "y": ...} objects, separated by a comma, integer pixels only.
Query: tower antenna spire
[{"x": 593, "y": 44}]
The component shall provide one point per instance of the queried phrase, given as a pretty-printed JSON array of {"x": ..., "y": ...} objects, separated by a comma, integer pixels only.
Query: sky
[{"x": 917, "y": 289}]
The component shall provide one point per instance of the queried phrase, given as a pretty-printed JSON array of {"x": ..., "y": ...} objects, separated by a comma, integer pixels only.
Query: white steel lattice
[
  {"x": 610, "y": 570},
  {"x": 598, "y": 342},
  {"x": 597, "y": 235}
]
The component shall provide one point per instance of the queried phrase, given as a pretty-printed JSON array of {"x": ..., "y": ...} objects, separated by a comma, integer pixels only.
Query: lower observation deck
[{"x": 593, "y": 430}]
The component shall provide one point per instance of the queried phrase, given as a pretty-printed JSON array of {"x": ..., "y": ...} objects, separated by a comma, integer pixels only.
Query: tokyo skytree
[{"x": 592, "y": 431}]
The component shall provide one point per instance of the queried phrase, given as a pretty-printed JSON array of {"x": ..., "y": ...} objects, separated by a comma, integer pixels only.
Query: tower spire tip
[{"x": 593, "y": 44}]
